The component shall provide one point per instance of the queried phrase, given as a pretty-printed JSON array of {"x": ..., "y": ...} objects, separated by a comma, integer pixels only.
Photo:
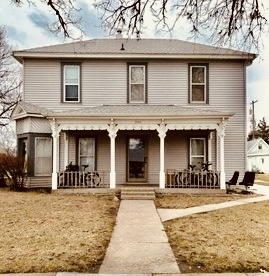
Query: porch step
[{"x": 137, "y": 193}]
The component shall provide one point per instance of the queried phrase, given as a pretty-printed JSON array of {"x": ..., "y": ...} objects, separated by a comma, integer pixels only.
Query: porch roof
[{"x": 140, "y": 111}]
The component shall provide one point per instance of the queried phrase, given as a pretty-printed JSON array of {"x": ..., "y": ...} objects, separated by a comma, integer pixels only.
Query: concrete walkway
[
  {"x": 139, "y": 243},
  {"x": 168, "y": 214}
]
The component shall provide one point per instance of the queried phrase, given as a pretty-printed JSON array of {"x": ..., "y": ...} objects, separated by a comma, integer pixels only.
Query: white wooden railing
[
  {"x": 192, "y": 179},
  {"x": 81, "y": 179}
]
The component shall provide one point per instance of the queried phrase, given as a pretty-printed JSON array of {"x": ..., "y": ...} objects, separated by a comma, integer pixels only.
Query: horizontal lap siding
[
  {"x": 227, "y": 93},
  {"x": 167, "y": 83},
  {"x": 42, "y": 82}
]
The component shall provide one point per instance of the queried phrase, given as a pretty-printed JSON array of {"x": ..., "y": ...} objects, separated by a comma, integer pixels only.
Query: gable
[{"x": 258, "y": 147}]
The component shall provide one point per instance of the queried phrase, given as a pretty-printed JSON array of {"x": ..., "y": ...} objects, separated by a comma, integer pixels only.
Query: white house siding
[{"x": 227, "y": 93}]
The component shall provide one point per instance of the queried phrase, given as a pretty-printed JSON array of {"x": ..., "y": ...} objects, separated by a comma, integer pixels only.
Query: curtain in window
[
  {"x": 87, "y": 153},
  {"x": 43, "y": 156},
  {"x": 198, "y": 84},
  {"x": 137, "y": 84},
  {"x": 197, "y": 151}
]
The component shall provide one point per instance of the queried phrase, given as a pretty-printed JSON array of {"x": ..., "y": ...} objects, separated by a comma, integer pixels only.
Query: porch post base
[
  {"x": 222, "y": 181},
  {"x": 112, "y": 180},
  {"x": 162, "y": 180},
  {"x": 54, "y": 181}
]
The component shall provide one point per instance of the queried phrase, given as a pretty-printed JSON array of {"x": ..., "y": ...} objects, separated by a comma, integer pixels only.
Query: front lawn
[{"x": 52, "y": 232}]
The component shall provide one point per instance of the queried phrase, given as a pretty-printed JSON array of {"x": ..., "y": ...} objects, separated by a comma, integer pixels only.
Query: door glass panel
[
  {"x": 87, "y": 154},
  {"x": 136, "y": 159}
]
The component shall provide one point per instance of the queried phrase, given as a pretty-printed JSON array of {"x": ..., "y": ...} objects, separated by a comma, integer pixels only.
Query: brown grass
[
  {"x": 52, "y": 232},
  {"x": 262, "y": 179},
  {"x": 228, "y": 240}
]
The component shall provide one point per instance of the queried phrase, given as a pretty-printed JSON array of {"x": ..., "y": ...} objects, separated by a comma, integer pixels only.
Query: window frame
[
  {"x": 66, "y": 65},
  {"x": 129, "y": 83},
  {"x": 190, "y": 149},
  {"x": 205, "y": 83},
  {"x": 35, "y": 156},
  {"x": 94, "y": 154}
]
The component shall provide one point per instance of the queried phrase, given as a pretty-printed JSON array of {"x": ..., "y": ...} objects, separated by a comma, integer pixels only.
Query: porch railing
[
  {"x": 82, "y": 179},
  {"x": 192, "y": 179}
]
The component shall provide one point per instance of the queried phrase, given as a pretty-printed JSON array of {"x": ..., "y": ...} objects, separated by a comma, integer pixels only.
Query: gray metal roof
[
  {"x": 122, "y": 111},
  {"x": 133, "y": 46},
  {"x": 159, "y": 111}
]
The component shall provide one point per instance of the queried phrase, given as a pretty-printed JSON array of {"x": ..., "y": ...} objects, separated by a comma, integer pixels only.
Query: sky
[{"x": 27, "y": 27}]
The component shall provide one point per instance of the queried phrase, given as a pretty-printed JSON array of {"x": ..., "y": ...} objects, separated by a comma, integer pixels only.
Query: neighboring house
[
  {"x": 258, "y": 155},
  {"x": 127, "y": 111}
]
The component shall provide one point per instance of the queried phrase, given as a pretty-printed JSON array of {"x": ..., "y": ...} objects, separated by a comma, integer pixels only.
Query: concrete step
[{"x": 137, "y": 193}]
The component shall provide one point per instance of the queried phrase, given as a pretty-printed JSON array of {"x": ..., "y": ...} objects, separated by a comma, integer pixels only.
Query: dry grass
[
  {"x": 262, "y": 179},
  {"x": 229, "y": 240},
  {"x": 52, "y": 232}
]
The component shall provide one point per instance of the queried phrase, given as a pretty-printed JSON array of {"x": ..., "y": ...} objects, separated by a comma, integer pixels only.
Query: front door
[{"x": 137, "y": 159}]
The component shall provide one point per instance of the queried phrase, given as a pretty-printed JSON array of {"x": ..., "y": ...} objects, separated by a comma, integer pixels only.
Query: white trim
[{"x": 65, "y": 66}]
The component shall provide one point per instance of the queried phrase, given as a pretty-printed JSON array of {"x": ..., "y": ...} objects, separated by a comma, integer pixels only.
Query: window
[
  {"x": 260, "y": 146},
  {"x": 198, "y": 84},
  {"x": 87, "y": 154},
  {"x": 137, "y": 84},
  {"x": 197, "y": 151},
  {"x": 43, "y": 156},
  {"x": 71, "y": 83}
]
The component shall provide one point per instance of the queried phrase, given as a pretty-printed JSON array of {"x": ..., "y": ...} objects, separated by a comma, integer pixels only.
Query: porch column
[
  {"x": 162, "y": 133},
  {"x": 66, "y": 145},
  {"x": 221, "y": 134},
  {"x": 55, "y": 154},
  {"x": 112, "y": 132}
]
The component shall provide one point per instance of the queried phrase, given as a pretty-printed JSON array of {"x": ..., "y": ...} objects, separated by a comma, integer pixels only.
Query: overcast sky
[{"x": 27, "y": 27}]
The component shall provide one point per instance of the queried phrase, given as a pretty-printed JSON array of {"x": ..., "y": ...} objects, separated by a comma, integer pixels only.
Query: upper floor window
[
  {"x": 137, "y": 84},
  {"x": 71, "y": 83},
  {"x": 198, "y": 83}
]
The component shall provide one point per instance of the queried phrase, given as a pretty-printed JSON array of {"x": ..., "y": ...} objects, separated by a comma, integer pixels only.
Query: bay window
[{"x": 43, "y": 156}]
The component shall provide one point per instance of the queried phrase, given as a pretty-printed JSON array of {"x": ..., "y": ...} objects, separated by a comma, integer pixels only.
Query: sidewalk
[{"x": 139, "y": 243}]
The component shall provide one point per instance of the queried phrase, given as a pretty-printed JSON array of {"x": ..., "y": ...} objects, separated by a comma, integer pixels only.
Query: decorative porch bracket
[
  {"x": 162, "y": 129},
  {"x": 221, "y": 133},
  {"x": 112, "y": 132},
  {"x": 55, "y": 162}
]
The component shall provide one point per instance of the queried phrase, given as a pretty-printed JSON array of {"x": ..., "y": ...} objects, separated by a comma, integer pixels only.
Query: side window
[
  {"x": 137, "y": 84},
  {"x": 197, "y": 151},
  {"x": 86, "y": 158},
  {"x": 43, "y": 156},
  {"x": 198, "y": 85},
  {"x": 71, "y": 83}
]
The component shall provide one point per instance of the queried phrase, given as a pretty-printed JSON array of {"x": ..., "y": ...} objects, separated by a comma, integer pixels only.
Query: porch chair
[
  {"x": 248, "y": 179},
  {"x": 233, "y": 180}
]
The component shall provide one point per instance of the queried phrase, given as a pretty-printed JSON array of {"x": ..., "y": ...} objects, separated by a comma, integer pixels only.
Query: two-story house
[{"x": 107, "y": 112}]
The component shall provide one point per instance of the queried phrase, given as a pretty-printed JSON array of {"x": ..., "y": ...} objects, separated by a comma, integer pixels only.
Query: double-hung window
[
  {"x": 137, "y": 83},
  {"x": 43, "y": 156},
  {"x": 198, "y": 83},
  {"x": 87, "y": 153},
  {"x": 197, "y": 151},
  {"x": 71, "y": 83}
]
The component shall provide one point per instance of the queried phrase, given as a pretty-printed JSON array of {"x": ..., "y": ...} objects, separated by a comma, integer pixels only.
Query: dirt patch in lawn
[
  {"x": 228, "y": 240},
  {"x": 52, "y": 232}
]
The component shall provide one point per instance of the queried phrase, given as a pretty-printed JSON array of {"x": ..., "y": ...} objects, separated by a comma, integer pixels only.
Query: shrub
[{"x": 12, "y": 169}]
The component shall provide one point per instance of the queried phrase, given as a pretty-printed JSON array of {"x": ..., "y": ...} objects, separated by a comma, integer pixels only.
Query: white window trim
[
  {"x": 42, "y": 174},
  {"x": 64, "y": 84},
  {"x": 204, "y": 155},
  {"x": 94, "y": 154},
  {"x": 130, "y": 83},
  {"x": 204, "y": 83}
]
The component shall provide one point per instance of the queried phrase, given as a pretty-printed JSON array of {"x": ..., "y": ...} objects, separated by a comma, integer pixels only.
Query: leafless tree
[
  {"x": 10, "y": 80},
  {"x": 223, "y": 21}
]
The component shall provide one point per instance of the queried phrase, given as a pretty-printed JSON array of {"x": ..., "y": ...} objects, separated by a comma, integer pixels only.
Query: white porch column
[
  {"x": 66, "y": 145},
  {"x": 112, "y": 132},
  {"x": 55, "y": 154},
  {"x": 221, "y": 134},
  {"x": 162, "y": 133}
]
